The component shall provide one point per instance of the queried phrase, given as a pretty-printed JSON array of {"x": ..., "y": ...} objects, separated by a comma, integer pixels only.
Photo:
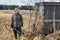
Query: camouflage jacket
[{"x": 16, "y": 20}]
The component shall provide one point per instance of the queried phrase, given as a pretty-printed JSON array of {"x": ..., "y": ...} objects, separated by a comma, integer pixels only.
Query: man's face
[{"x": 16, "y": 11}]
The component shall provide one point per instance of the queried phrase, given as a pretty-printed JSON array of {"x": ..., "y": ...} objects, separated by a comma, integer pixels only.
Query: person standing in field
[{"x": 17, "y": 23}]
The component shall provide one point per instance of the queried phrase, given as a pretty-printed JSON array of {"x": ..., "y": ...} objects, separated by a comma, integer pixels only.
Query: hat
[{"x": 16, "y": 9}]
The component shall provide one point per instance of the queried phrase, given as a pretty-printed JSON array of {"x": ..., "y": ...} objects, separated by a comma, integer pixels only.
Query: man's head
[{"x": 16, "y": 10}]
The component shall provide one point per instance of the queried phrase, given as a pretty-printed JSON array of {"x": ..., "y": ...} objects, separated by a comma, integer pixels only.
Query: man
[{"x": 16, "y": 23}]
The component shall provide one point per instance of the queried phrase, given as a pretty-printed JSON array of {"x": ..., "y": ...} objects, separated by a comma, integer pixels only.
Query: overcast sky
[{"x": 22, "y": 2}]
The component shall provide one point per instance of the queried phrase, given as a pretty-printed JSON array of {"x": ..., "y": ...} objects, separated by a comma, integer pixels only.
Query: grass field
[
  {"x": 5, "y": 17},
  {"x": 6, "y": 32}
]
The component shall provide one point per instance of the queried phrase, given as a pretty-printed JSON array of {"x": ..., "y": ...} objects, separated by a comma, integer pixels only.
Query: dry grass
[
  {"x": 5, "y": 16},
  {"x": 7, "y": 34}
]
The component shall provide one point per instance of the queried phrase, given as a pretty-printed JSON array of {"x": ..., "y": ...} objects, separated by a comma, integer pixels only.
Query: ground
[
  {"x": 5, "y": 18},
  {"x": 6, "y": 32}
]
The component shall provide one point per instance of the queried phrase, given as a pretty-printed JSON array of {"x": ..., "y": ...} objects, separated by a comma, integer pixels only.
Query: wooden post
[{"x": 54, "y": 19}]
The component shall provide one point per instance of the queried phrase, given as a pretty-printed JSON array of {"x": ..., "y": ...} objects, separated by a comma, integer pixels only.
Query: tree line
[{"x": 11, "y": 7}]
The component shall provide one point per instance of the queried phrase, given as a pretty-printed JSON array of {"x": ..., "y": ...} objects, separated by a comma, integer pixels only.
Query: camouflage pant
[{"x": 19, "y": 32}]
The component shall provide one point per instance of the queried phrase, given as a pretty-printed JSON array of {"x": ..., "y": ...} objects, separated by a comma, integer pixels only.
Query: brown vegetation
[{"x": 6, "y": 32}]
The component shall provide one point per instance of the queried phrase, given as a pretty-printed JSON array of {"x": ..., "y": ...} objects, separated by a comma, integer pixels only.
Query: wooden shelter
[{"x": 50, "y": 14}]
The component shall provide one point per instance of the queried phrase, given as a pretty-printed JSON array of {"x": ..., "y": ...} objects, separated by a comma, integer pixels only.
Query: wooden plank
[{"x": 51, "y": 20}]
